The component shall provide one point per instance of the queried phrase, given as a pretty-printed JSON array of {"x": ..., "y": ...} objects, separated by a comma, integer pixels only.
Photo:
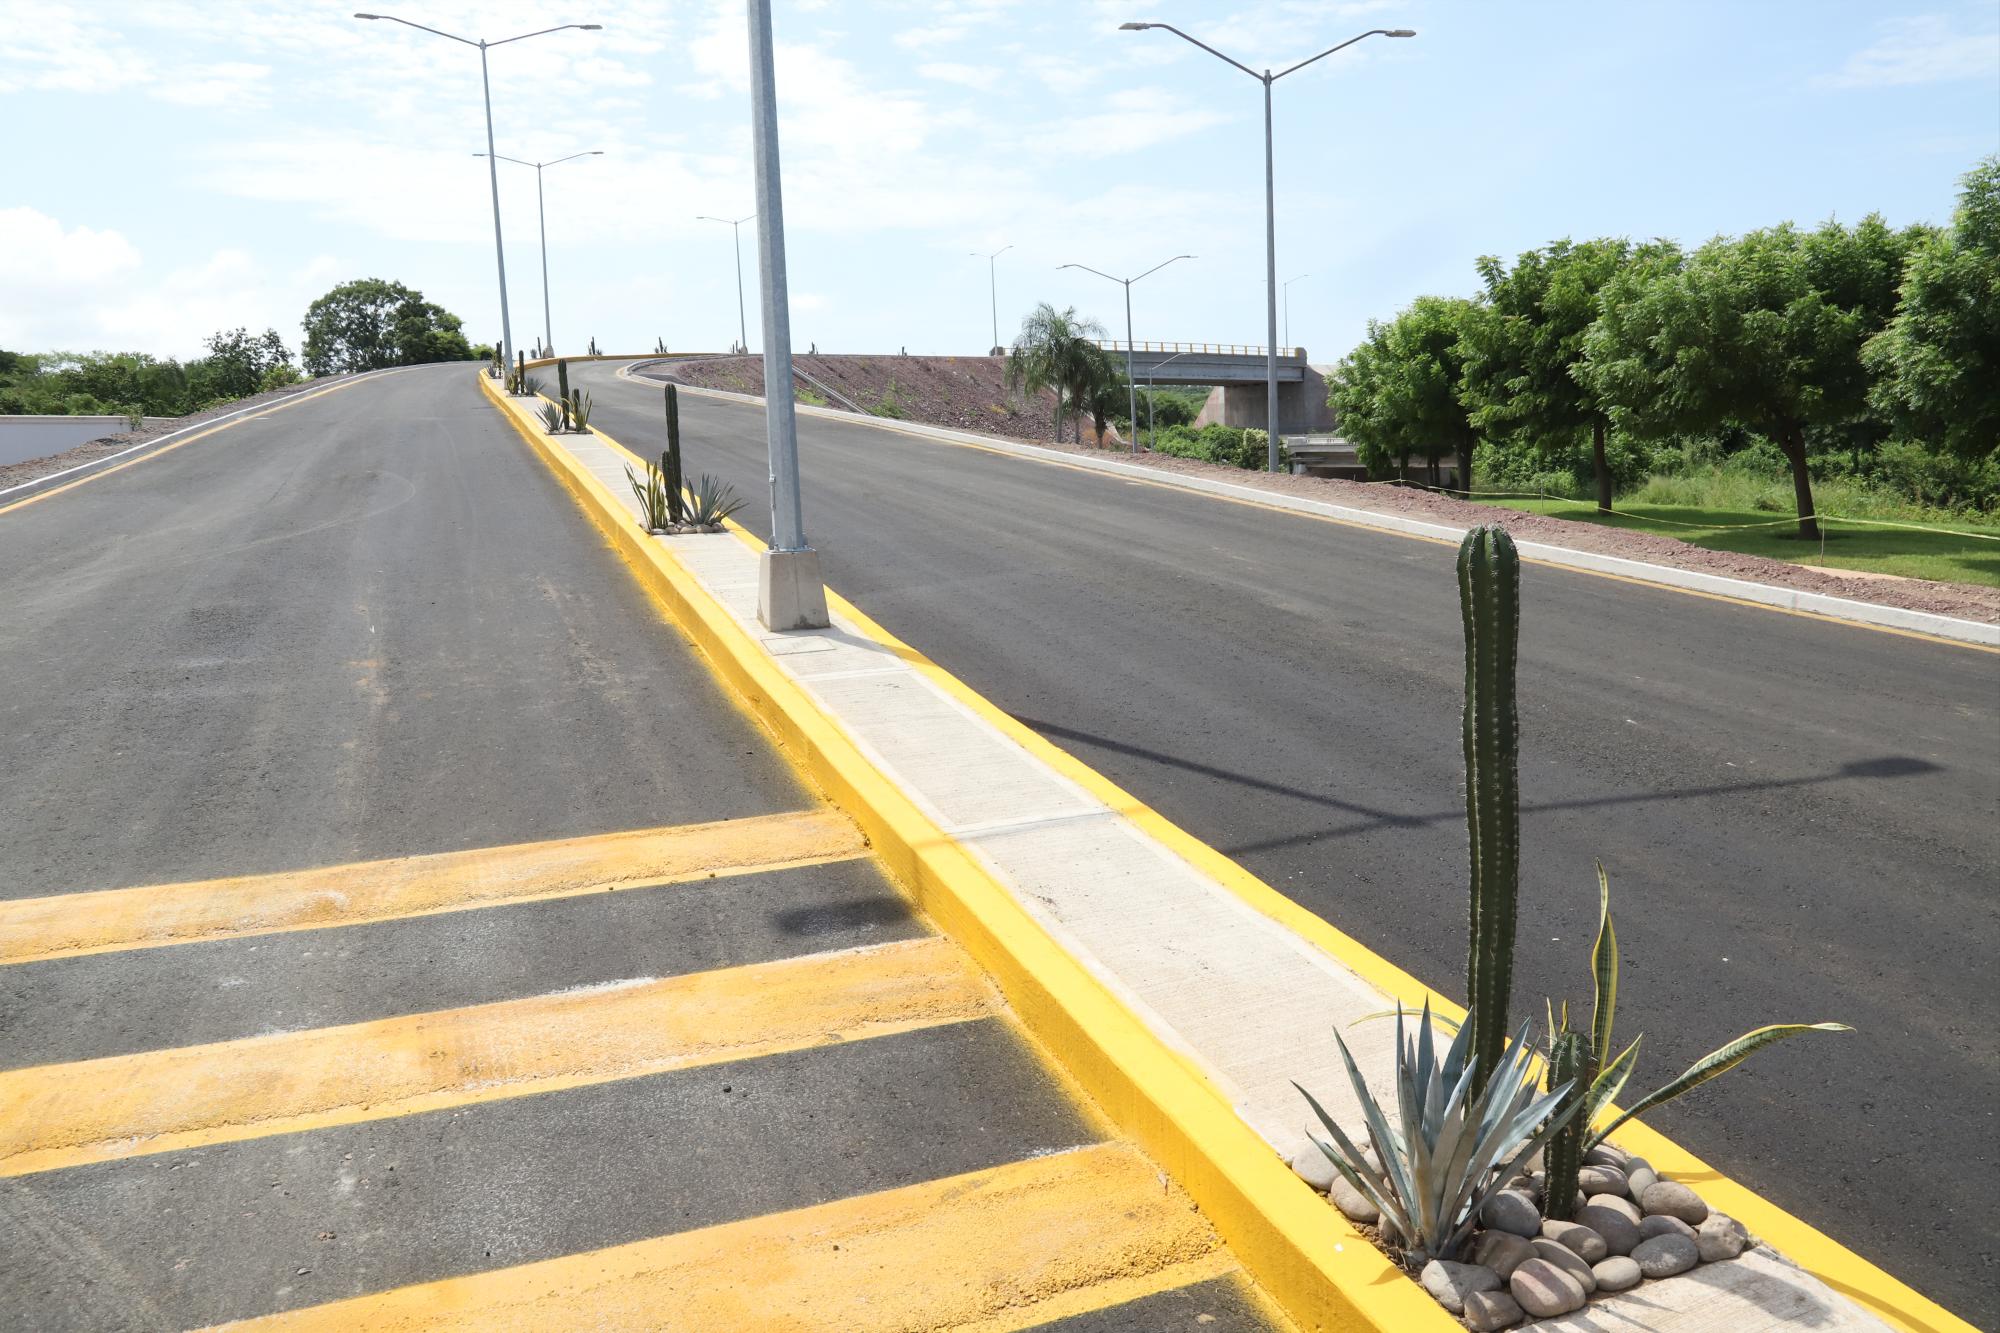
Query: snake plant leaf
[
  {"x": 1717, "y": 1063},
  {"x": 1610, "y": 1081},
  {"x": 1604, "y": 971}
]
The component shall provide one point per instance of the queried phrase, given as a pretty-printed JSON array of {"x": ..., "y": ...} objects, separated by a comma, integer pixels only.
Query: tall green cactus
[
  {"x": 1489, "y": 597},
  {"x": 1564, "y": 1155},
  {"x": 562, "y": 393},
  {"x": 670, "y": 461},
  {"x": 520, "y": 371}
]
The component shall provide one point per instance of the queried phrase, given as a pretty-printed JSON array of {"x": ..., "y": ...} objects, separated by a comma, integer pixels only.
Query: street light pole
[
  {"x": 492, "y": 168},
  {"x": 1267, "y": 78},
  {"x": 541, "y": 215},
  {"x": 742, "y": 324},
  {"x": 1288, "y": 306},
  {"x": 993, "y": 287},
  {"x": 1131, "y": 384},
  {"x": 790, "y": 594}
]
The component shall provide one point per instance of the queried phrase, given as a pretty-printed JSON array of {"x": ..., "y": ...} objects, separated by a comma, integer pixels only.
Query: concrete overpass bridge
[{"x": 1236, "y": 373}]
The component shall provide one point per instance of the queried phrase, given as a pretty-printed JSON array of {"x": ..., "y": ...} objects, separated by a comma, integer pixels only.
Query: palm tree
[
  {"x": 1100, "y": 388},
  {"x": 1054, "y": 350}
]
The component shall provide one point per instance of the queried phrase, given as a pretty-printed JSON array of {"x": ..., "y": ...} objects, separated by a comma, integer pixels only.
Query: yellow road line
[
  {"x": 62, "y": 1115},
  {"x": 65, "y": 925},
  {"x": 992, "y": 1251},
  {"x": 169, "y": 448}
]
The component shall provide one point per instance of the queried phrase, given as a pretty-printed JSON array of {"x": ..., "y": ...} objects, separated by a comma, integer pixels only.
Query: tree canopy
[
  {"x": 1400, "y": 395},
  {"x": 1056, "y": 349},
  {"x": 370, "y": 324},
  {"x": 1937, "y": 364}
]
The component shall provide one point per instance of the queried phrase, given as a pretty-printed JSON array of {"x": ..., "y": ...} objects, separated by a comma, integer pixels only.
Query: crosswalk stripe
[
  {"x": 61, "y": 1115},
  {"x": 64, "y": 925},
  {"x": 991, "y": 1251}
]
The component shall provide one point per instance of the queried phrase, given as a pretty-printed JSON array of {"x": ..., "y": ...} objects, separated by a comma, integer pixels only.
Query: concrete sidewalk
[{"x": 1218, "y": 968}]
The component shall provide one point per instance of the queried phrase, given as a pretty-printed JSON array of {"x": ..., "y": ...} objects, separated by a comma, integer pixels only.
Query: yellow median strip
[
  {"x": 64, "y": 1115},
  {"x": 987, "y": 1252},
  {"x": 63, "y": 925}
]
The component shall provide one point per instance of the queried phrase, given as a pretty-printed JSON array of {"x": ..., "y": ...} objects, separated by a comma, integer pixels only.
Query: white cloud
[
  {"x": 1931, "y": 48},
  {"x": 981, "y": 77},
  {"x": 37, "y": 253}
]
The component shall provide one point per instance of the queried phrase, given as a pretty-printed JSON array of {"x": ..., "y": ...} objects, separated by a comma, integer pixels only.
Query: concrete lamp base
[{"x": 789, "y": 592}]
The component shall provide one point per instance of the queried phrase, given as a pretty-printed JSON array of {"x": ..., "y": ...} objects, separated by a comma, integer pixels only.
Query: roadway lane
[{"x": 1798, "y": 817}]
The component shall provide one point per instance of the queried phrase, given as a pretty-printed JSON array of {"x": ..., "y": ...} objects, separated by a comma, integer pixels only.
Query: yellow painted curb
[{"x": 1301, "y": 1251}]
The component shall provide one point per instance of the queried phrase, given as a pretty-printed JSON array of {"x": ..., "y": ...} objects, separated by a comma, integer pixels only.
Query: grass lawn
[{"x": 1919, "y": 555}]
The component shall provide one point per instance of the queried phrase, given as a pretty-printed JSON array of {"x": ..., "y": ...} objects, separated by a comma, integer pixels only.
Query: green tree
[
  {"x": 1764, "y": 331},
  {"x": 1522, "y": 354},
  {"x": 370, "y": 324},
  {"x": 1053, "y": 351},
  {"x": 1400, "y": 393},
  {"x": 1937, "y": 364},
  {"x": 1099, "y": 388},
  {"x": 238, "y": 363}
]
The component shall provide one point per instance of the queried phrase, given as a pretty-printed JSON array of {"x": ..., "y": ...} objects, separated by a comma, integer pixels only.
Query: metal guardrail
[{"x": 1210, "y": 349}]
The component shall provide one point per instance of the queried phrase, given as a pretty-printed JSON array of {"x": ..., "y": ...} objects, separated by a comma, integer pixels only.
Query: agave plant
[
  {"x": 710, "y": 501},
  {"x": 531, "y": 386},
  {"x": 552, "y": 418},
  {"x": 1450, "y": 1148},
  {"x": 1603, "y": 1074},
  {"x": 655, "y": 505},
  {"x": 579, "y": 410}
]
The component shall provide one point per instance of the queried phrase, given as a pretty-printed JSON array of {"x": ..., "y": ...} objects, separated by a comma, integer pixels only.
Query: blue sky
[{"x": 177, "y": 166}]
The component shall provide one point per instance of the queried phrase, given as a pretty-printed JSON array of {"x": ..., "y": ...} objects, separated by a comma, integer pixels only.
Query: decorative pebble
[
  {"x": 1544, "y": 1290},
  {"x": 1606, "y": 1154},
  {"x": 1566, "y": 1259},
  {"x": 1664, "y": 1256},
  {"x": 1613, "y": 1218},
  {"x": 1602, "y": 1180},
  {"x": 1618, "y": 1273},
  {"x": 1587, "y": 1244},
  {"x": 1501, "y": 1251},
  {"x": 1511, "y": 1210},
  {"x": 1719, "y": 1238},
  {"x": 1490, "y": 1311},
  {"x": 1674, "y": 1200},
  {"x": 1353, "y": 1204},
  {"x": 1451, "y": 1283},
  {"x": 1639, "y": 1173},
  {"x": 1664, "y": 1226},
  {"x": 1313, "y": 1167}
]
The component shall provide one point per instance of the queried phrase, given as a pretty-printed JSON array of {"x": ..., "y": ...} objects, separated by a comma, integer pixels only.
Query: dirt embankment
[
  {"x": 970, "y": 393},
  {"x": 961, "y": 392}
]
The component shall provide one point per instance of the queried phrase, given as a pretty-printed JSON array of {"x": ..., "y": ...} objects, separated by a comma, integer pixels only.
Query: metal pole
[
  {"x": 1131, "y": 383},
  {"x": 790, "y": 594},
  {"x": 993, "y": 291},
  {"x": 742, "y": 323},
  {"x": 493, "y": 178},
  {"x": 1271, "y": 288},
  {"x": 548, "y": 326}
]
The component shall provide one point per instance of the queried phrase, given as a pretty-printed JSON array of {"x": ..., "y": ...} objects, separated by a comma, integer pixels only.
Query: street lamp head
[
  {"x": 1136, "y": 27},
  {"x": 1400, "y": 32},
  {"x": 599, "y": 27},
  {"x": 368, "y": 16}
]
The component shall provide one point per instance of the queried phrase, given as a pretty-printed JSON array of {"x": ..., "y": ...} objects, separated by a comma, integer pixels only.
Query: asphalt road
[
  {"x": 1801, "y": 819},
  {"x": 372, "y": 624}
]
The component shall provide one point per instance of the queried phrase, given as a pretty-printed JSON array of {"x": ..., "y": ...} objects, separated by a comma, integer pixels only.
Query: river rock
[
  {"x": 1566, "y": 1259},
  {"x": 1353, "y": 1204},
  {"x": 1672, "y": 1199},
  {"x": 1664, "y": 1256},
  {"x": 1511, "y": 1210},
  {"x": 1544, "y": 1290},
  {"x": 1490, "y": 1311},
  {"x": 1618, "y": 1273},
  {"x": 1720, "y": 1237},
  {"x": 1588, "y": 1245},
  {"x": 1614, "y": 1218},
  {"x": 1606, "y": 1154},
  {"x": 1451, "y": 1283},
  {"x": 1639, "y": 1173},
  {"x": 1664, "y": 1226},
  {"x": 1602, "y": 1180},
  {"x": 1501, "y": 1251},
  {"x": 1313, "y": 1167}
]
